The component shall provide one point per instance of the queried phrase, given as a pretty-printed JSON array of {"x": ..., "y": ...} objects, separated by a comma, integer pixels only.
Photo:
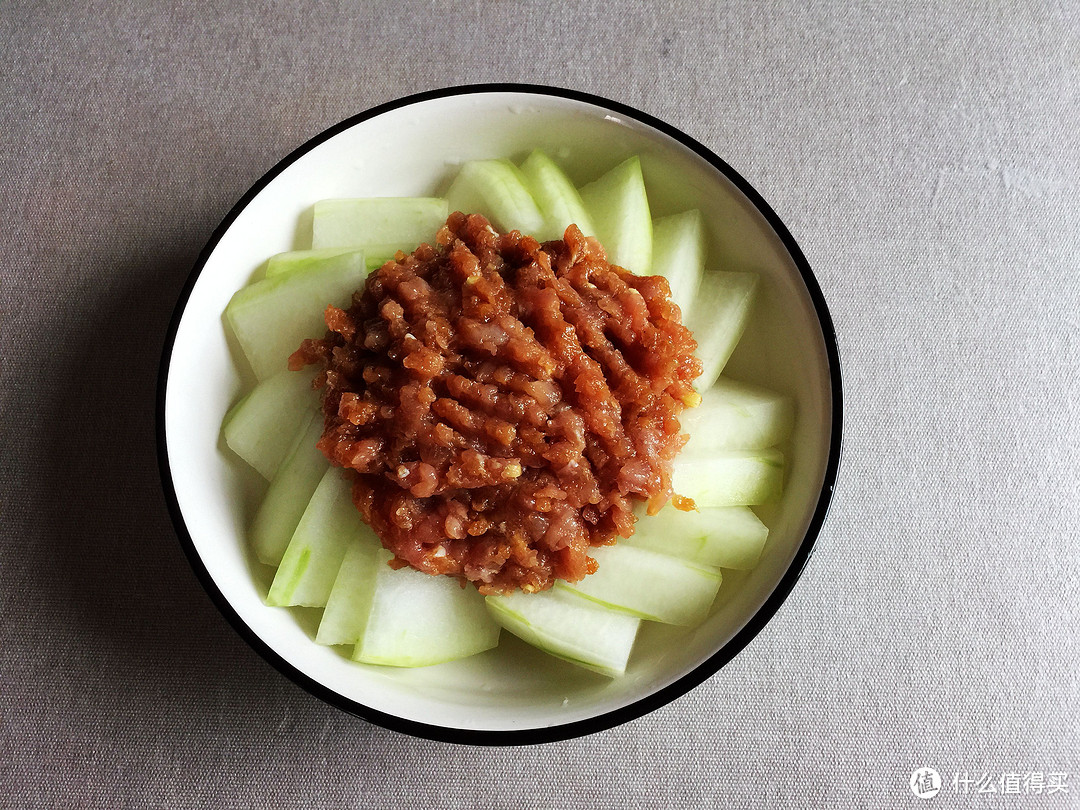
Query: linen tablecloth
[{"x": 926, "y": 157}]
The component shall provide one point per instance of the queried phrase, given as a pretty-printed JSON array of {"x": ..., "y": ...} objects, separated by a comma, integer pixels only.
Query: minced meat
[{"x": 503, "y": 403}]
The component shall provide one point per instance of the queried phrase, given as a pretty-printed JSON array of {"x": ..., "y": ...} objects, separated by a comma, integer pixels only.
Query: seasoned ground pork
[{"x": 504, "y": 403}]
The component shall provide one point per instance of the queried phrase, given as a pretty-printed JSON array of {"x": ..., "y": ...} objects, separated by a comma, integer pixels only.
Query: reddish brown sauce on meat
[{"x": 504, "y": 403}]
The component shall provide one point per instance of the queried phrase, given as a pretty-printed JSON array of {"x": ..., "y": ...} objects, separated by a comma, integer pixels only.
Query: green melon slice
[
  {"x": 270, "y": 318},
  {"x": 289, "y": 493},
  {"x": 403, "y": 222},
  {"x": 262, "y": 426},
  {"x": 650, "y": 585},
  {"x": 556, "y": 197},
  {"x": 619, "y": 209},
  {"x": 678, "y": 254},
  {"x": 310, "y": 564},
  {"x": 498, "y": 190},
  {"x": 730, "y": 477},
  {"x": 417, "y": 619},
  {"x": 725, "y": 537},
  {"x": 297, "y": 261},
  {"x": 569, "y": 628},
  {"x": 349, "y": 603},
  {"x": 718, "y": 318},
  {"x": 737, "y": 416}
]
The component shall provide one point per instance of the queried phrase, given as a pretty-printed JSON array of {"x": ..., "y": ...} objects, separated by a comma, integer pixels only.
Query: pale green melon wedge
[
  {"x": 730, "y": 477},
  {"x": 349, "y": 603},
  {"x": 678, "y": 254},
  {"x": 569, "y": 628},
  {"x": 556, "y": 197},
  {"x": 650, "y": 585},
  {"x": 498, "y": 190},
  {"x": 297, "y": 261},
  {"x": 329, "y": 525},
  {"x": 289, "y": 493},
  {"x": 726, "y": 537},
  {"x": 718, "y": 318},
  {"x": 620, "y": 213},
  {"x": 402, "y": 221},
  {"x": 262, "y": 427},
  {"x": 417, "y": 619},
  {"x": 735, "y": 415},
  {"x": 270, "y": 318}
]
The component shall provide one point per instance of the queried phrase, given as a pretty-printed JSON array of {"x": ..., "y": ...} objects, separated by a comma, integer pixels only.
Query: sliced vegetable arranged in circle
[
  {"x": 668, "y": 571},
  {"x": 619, "y": 208}
]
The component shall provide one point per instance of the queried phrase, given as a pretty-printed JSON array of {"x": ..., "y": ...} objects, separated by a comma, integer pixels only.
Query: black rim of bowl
[{"x": 643, "y": 705}]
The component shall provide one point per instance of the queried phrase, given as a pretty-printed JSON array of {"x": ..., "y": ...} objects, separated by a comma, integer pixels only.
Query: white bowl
[{"x": 512, "y": 694}]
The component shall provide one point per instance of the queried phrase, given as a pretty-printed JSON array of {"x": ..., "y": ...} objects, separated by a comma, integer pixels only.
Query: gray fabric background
[{"x": 925, "y": 155}]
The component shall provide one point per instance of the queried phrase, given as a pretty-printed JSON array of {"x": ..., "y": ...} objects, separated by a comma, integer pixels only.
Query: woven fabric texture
[{"x": 925, "y": 155}]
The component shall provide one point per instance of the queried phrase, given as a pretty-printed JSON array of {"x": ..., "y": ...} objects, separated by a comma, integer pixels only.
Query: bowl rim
[{"x": 642, "y": 705}]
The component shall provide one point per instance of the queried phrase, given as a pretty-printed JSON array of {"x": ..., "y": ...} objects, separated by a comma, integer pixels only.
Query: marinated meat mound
[{"x": 504, "y": 403}]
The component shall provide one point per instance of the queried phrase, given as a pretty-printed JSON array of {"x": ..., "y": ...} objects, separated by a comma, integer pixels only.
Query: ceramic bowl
[{"x": 513, "y": 694}]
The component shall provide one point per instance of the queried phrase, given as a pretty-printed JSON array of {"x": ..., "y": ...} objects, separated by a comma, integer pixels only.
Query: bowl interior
[{"x": 415, "y": 150}]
